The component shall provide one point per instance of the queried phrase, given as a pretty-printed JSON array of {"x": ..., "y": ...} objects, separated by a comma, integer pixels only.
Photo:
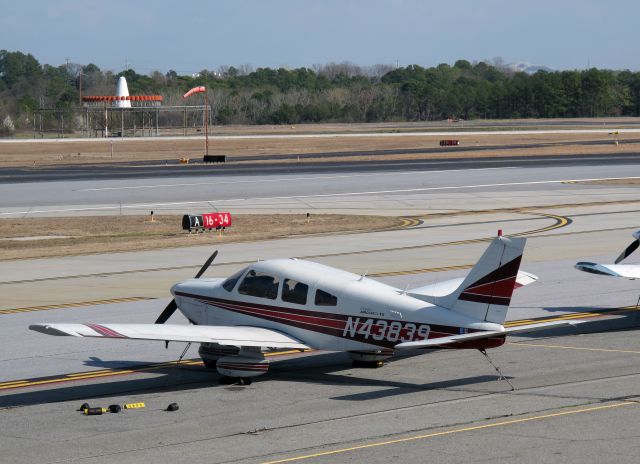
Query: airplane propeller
[
  {"x": 627, "y": 251},
  {"x": 172, "y": 306}
]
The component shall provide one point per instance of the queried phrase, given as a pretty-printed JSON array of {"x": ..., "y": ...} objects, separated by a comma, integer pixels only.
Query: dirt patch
[
  {"x": 614, "y": 182},
  {"x": 105, "y": 234},
  {"x": 573, "y": 150}
]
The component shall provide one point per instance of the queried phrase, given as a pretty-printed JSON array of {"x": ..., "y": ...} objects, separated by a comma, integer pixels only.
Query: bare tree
[
  {"x": 346, "y": 68},
  {"x": 378, "y": 70},
  {"x": 245, "y": 69}
]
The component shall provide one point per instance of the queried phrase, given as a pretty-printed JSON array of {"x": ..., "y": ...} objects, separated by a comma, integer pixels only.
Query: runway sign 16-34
[{"x": 207, "y": 221}]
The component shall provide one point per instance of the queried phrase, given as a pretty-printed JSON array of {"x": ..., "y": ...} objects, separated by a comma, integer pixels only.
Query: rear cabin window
[
  {"x": 325, "y": 299},
  {"x": 294, "y": 292},
  {"x": 260, "y": 285},
  {"x": 231, "y": 281}
]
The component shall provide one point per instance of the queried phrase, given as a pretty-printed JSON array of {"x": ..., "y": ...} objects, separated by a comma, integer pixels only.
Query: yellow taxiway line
[
  {"x": 455, "y": 431},
  {"x": 577, "y": 348},
  {"x": 73, "y": 305},
  {"x": 573, "y": 316},
  {"x": 13, "y": 384},
  {"x": 561, "y": 221}
]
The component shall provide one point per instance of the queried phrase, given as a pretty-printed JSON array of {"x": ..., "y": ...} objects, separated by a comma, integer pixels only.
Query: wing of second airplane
[
  {"x": 445, "y": 341},
  {"x": 224, "y": 335},
  {"x": 628, "y": 271}
]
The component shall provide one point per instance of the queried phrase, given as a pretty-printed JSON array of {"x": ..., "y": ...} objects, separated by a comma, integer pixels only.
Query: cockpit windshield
[
  {"x": 260, "y": 285},
  {"x": 231, "y": 281}
]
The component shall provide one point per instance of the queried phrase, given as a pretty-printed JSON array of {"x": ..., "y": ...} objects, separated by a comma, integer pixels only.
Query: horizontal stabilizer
[
  {"x": 446, "y": 341},
  {"x": 224, "y": 335},
  {"x": 430, "y": 292}
]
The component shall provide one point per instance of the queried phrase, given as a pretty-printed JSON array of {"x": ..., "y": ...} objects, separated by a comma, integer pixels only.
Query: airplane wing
[
  {"x": 224, "y": 335},
  {"x": 629, "y": 271},
  {"x": 448, "y": 286},
  {"x": 445, "y": 341}
]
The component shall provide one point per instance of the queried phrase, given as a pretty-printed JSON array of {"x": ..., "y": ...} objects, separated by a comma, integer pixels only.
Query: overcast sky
[{"x": 189, "y": 36}]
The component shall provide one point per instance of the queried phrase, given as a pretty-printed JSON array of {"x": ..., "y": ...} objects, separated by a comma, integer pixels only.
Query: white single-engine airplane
[
  {"x": 296, "y": 304},
  {"x": 628, "y": 271}
]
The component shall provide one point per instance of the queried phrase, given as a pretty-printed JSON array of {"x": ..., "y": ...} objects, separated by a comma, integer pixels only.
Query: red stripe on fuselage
[{"x": 327, "y": 323}]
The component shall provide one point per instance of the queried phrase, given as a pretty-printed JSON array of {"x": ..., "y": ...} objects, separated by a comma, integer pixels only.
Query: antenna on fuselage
[{"x": 363, "y": 276}]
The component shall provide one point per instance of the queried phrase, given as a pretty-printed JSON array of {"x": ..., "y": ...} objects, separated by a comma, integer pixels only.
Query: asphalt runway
[
  {"x": 382, "y": 189},
  {"x": 576, "y": 390},
  {"x": 159, "y": 169}
]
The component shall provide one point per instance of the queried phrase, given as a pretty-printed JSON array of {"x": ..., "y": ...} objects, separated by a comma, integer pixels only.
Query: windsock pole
[
  {"x": 206, "y": 123},
  {"x": 202, "y": 89}
]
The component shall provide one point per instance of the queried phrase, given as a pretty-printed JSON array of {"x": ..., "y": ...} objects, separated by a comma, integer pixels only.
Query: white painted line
[
  {"x": 604, "y": 130},
  {"x": 321, "y": 195},
  {"x": 285, "y": 179}
]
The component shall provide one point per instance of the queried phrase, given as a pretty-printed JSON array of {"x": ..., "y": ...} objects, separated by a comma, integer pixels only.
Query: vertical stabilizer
[{"x": 486, "y": 292}]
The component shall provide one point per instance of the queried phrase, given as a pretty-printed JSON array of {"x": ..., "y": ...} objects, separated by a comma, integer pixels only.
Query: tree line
[{"x": 335, "y": 92}]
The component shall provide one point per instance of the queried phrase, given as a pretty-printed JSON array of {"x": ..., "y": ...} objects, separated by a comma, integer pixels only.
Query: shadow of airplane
[
  {"x": 94, "y": 361},
  {"x": 327, "y": 370},
  {"x": 319, "y": 368},
  {"x": 174, "y": 379}
]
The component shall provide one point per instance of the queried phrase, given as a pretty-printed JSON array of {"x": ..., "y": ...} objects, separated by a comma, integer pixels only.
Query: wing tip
[{"x": 48, "y": 330}]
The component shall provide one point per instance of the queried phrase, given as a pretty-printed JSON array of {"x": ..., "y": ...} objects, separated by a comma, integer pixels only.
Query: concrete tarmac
[{"x": 576, "y": 390}]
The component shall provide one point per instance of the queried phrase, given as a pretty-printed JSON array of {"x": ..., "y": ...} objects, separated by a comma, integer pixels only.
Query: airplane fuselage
[{"x": 333, "y": 309}]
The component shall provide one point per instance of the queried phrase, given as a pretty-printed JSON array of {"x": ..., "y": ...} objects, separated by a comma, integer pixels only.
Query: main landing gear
[
  {"x": 370, "y": 359},
  {"x": 368, "y": 364},
  {"x": 236, "y": 366},
  {"x": 226, "y": 380}
]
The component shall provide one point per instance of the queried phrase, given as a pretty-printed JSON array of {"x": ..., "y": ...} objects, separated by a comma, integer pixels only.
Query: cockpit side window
[
  {"x": 260, "y": 285},
  {"x": 325, "y": 299},
  {"x": 231, "y": 281},
  {"x": 294, "y": 292}
]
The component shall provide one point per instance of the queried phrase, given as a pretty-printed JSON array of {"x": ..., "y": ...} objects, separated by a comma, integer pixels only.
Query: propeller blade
[
  {"x": 630, "y": 249},
  {"x": 172, "y": 306},
  {"x": 206, "y": 264},
  {"x": 168, "y": 311}
]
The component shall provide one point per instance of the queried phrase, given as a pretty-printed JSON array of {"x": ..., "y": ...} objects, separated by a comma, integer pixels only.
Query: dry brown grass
[
  {"x": 58, "y": 152},
  {"x": 614, "y": 182},
  {"x": 86, "y": 235}
]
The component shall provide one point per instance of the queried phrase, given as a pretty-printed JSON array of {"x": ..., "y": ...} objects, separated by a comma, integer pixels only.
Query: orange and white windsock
[{"x": 194, "y": 90}]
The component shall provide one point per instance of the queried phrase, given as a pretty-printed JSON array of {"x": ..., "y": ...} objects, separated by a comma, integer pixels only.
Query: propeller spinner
[{"x": 172, "y": 306}]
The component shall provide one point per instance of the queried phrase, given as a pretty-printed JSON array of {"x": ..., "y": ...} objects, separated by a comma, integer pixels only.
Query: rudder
[{"x": 485, "y": 294}]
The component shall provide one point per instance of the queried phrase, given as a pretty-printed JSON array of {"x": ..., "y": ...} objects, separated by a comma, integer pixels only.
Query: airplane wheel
[
  {"x": 224, "y": 380},
  {"x": 368, "y": 364}
]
